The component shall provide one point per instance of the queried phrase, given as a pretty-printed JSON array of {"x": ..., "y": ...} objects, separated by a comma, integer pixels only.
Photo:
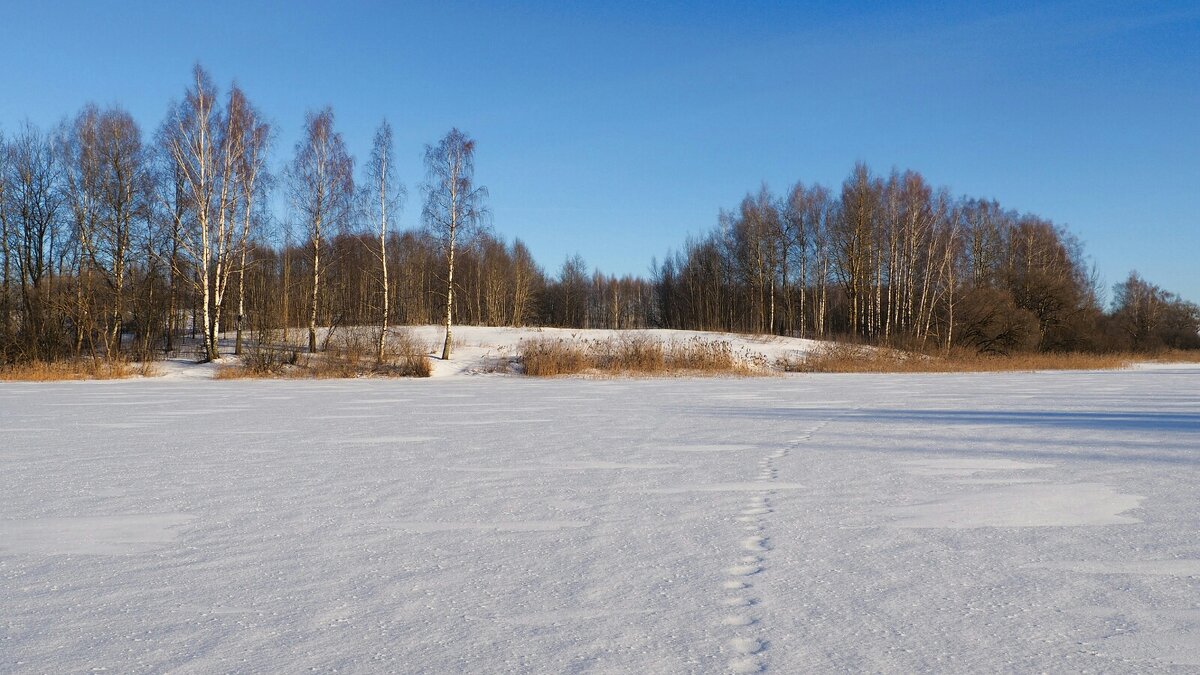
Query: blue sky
[{"x": 615, "y": 129}]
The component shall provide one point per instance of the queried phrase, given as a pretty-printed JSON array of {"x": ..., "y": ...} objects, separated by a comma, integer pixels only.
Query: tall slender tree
[
  {"x": 251, "y": 176},
  {"x": 385, "y": 197},
  {"x": 321, "y": 178},
  {"x": 453, "y": 205}
]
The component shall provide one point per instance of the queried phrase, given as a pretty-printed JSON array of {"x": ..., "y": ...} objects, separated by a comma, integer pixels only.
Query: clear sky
[{"x": 614, "y": 129}]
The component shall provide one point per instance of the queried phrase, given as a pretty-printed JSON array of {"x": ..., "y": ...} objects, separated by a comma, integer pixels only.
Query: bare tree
[
  {"x": 321, "y": 178},
  {"x": 386, "y": 196},
  {"x": 34, "y": 201},
  {"x": 108, "y": 191},
  {"x": 206, "y": 149},
  {"x": 524, "y": 271},
  {"x": 6, "y": 309},
  {"x": 854, "y": 244},
  {"x": 757, "y": 234},
  {"x": 170, "y": 212},
  {"x": 453, "y": 204},
  {"x": 250, "y": 175}
]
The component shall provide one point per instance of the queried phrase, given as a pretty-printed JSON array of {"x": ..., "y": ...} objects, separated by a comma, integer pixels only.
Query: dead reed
[
  {"x": 83, "y": 369},
  {"x": 842, "y": 358},
  {"x": 633, "y": 354}
]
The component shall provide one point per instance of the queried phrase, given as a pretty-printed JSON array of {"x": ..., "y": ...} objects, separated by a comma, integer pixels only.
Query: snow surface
[
  {"x": 477, "y": 349},
  {"x": 477, "y": 346},
  {"x": 819, "y": 523}
]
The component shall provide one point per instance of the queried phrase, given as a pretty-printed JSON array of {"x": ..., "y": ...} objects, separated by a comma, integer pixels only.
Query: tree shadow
[
  {"x": 1182, "y": 452},
  {"x": 1094, "y": 421}
]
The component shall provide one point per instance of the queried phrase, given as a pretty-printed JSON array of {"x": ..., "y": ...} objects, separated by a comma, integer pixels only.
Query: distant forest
[{"x": 117, "y": 242}]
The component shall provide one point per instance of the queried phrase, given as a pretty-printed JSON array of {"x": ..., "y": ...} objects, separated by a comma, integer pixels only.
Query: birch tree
[
  {"x": 854, "y": 244},
  {"x": 798, "y": 236},
  {"x": 206, "y": 148},
  {"x": 385, "y": 197},
  {"x": 453, "y": 205},
  {"x": 321, "y": 179},
  {"x": 251, "y": 176}
]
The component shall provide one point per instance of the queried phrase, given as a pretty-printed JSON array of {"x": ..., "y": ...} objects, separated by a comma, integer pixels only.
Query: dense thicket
[{"x": 113, "y": 244}]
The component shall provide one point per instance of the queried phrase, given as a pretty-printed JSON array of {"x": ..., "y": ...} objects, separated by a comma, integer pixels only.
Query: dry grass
[
  {"x": 40, "y": 371},
  {"x": 406, "y": 356},
  {"x": 1177, "y": 356},
  {"x": 840, "y": 358},
  {"x": 240, "y": 372},
  {"x": 633, "y": 354},
  {"x": 352, "y": 354},
  {"x": 545, "y": 357}
]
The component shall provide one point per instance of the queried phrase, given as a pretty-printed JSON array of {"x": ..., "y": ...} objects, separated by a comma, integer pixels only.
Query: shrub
[{"x": 405, "y": 356}]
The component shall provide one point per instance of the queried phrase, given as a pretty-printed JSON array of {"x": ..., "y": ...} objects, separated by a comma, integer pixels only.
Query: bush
[{"x": 990, "y": 322}]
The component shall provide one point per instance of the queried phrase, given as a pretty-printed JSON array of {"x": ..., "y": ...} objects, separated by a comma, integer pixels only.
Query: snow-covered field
[{"x": 950, "y": 523}]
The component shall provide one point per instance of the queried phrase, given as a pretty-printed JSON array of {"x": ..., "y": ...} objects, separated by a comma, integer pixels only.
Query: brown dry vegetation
[
  {"x": 634, "y": 354},
  {"x": 350, "y": 354},
  {"x": 41, "y": 371},
  {"x": 841, "y": 358},
  {"x": 1175, "y": 356}
]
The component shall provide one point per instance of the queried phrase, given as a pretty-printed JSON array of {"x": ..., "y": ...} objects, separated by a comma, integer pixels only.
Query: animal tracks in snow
[
  {"x": 755, "y": 543},
  {"x": 747, "y": 651},
  {"x": 756, "y": 486},
  {"x": 743, "y": 570}
]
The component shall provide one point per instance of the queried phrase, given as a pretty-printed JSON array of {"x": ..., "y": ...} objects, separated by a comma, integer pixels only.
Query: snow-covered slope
[
  {"x": 953, "y": 523},
  {"x": 477, "y": 348}
]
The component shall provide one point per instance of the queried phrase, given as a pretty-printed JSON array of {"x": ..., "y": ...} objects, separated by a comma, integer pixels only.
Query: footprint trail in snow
[{"x": 747, "y": 648}]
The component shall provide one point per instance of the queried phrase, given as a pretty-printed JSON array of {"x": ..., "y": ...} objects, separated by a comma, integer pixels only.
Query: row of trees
[
  {"x": 111, "y": 243},
  {"x": 893, "y": 260},
  {"x": 116, "y": 244}
]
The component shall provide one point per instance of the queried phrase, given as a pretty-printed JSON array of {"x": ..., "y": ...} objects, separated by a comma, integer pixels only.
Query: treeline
[
  {"x": 116, "y": 243},
  {"x": 885, "y": 260},
  {"x": 890, "y": 259}
]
